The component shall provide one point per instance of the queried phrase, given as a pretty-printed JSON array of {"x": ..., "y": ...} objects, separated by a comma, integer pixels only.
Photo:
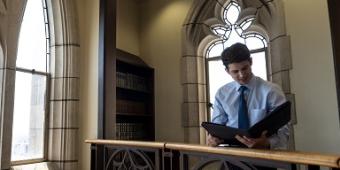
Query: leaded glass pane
[
  {"x": 239, "y": 30},
  {"x": 233, "y": 38},
  {"x": 232, "y": 13},
  {"x": 246, "y": 24},
  {"x": 217, "y": 77},
  {"x": 45, "y": 14},
  {"x": 259, "y": 64},
  {"x": 219, "y": 30},
  {"x": 254, "y": 43},
  {"x": 215, "y": 49}
]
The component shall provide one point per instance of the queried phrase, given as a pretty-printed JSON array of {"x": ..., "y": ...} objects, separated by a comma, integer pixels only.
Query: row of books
[
  {"x": 130, "y": 131},
  {"x": 127, "y": 106},
  {"x": 131, "y": 81}
]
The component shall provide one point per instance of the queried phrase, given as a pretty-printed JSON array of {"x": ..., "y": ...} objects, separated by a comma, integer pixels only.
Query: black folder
[{"x": 279, "y": 117}]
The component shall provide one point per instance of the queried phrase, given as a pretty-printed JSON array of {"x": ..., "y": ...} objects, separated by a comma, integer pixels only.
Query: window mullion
[{"x": 31, "y": 71}]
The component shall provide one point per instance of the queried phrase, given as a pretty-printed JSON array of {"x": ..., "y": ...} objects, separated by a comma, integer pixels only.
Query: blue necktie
[{"x": 243, "y": 119}]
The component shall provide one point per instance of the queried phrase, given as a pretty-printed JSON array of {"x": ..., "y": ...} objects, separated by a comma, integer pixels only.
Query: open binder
[{"x": 279, "y": 117}]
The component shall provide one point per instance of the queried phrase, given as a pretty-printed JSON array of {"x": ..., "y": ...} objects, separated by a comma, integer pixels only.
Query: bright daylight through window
[
  {"x": 28, "y": 137},
  {"x": 233, "y": 31}
]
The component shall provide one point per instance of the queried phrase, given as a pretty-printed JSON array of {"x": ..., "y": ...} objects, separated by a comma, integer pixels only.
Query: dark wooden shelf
[
  {"x": 134, "y": 98},
  {"x": 120, "y": 68},
  {"x": 133, "y": 90},
  {"x": 133, "y": 114}
]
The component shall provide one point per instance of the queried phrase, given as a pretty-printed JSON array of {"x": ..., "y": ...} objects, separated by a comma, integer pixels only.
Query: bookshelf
[{"x": 134, "y": 98}]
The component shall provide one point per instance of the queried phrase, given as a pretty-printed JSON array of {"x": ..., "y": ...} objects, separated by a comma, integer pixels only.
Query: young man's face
[{"x": 240, "y": 72}]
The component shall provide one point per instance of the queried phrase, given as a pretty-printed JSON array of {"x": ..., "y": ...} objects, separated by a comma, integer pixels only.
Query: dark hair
[{"x": 235, "y": 53}]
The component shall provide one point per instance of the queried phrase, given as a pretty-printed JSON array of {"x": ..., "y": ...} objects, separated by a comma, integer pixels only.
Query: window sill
[{"x": 40, "y": 166}]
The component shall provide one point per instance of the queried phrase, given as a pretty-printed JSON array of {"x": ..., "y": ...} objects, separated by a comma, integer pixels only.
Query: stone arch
[
  {"x": 64, "y": 94},
  {"x": 269, "y": 22}
]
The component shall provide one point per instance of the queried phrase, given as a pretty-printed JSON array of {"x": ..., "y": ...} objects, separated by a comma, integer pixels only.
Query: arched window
[
  {"x": 32, "y": 73},
  {"x": 211, "y": 26},
  {"x": 39, "y": 74},
  {"x": 231, "y": 32}
]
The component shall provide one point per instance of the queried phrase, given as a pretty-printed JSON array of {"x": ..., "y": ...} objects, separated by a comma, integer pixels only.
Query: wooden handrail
[
  {"x": 277, "y": 155},
  {"x": 297, "y": 157},
  {"x": 143, "y": 144}
]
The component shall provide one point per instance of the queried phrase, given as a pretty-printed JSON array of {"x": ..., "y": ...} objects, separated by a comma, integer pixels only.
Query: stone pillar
[
  {"x": 11, "y": 12},
  {"x": 64, "y": 95}
]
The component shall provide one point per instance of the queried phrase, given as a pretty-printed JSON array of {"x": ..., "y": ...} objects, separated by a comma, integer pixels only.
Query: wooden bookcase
[
  {"x": 124, "y": 111},
  {"x": 134, "y": 98}
]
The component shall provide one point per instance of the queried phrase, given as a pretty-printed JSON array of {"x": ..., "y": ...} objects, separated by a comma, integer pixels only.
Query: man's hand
[
  {"x": 260, "y": 143},
  {"x": 213, "y": 141}
]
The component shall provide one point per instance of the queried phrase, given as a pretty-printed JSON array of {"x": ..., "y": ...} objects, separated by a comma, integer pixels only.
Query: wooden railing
[{"x": 119, "y": 154}]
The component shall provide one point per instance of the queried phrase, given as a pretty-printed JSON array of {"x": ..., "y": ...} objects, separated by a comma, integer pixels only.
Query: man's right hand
[{"x": 213, "y": 141}]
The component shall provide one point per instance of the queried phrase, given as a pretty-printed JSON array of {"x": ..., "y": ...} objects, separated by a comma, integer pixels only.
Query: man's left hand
[{"x": 260, "y": 143}]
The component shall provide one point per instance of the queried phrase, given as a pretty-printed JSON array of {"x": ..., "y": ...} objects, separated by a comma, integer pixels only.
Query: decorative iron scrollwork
[{"x": 129, "y": 159}]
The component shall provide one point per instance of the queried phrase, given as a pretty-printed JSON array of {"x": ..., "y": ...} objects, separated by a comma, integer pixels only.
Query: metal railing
[{"x": 125, "y": 155}]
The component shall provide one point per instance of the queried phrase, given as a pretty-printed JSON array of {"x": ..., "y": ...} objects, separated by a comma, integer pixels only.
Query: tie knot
[{"x": 242, "y": 89}]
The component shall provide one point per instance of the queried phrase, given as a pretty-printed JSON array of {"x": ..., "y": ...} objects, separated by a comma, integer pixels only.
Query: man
[{"x": 259, "y": 97}]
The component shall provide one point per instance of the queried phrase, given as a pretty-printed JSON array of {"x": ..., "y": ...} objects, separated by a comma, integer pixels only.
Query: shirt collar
[{"x": 250, "y": 85}]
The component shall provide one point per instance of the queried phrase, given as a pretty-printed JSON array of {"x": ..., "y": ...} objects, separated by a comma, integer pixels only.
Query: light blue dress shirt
[{"x": 262, "y": 97}]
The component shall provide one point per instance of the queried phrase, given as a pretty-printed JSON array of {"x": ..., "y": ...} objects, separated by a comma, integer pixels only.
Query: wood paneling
[
  {"x": 107, "y": 66},
  {"x": 334, "y": 16}
]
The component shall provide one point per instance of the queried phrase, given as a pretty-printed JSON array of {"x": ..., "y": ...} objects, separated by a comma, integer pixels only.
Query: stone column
[
  {"x": 64, "y": 95},
  {"x": 11, "y": 12}
]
